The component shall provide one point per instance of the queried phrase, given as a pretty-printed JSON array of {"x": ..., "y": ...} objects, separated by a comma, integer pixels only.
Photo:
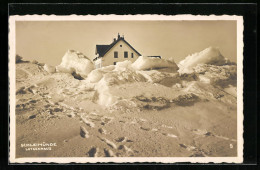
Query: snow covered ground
[{"x": 148, "y": 108}]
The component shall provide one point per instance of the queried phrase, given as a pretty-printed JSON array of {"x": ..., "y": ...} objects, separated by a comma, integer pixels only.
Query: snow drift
[
  {"x": 148, "y": 63},
  {"x": 107, "y": 77},
  {"x": 210, "y": 56},
  {"x": 75, "y": 62},
  {"x": 126, "y": 72}
]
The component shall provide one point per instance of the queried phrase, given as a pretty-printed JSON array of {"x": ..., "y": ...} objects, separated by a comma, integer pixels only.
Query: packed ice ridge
[
  {"x": 206, "y": 67},
  {"x": 211, "y": 56},
  {"x": 74, "y": 61}
]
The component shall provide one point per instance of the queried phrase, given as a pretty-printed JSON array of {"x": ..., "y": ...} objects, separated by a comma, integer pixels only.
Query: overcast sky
[{"x": 48, "y": 41}]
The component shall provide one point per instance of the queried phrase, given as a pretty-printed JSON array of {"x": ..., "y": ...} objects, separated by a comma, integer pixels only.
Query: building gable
[
  {"x": 125, "y": 47},
  {"x": 102, "y": 50}
]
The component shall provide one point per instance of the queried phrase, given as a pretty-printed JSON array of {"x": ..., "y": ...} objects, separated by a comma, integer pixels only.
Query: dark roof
[
  {"x": 103, "y": 49},
  {"x": 157, "y": 56}
]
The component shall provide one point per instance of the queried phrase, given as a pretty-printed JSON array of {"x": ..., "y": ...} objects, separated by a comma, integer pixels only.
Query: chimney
[
  {"x": 114, "y": 40},
  {"x": 118, "y": 36}
]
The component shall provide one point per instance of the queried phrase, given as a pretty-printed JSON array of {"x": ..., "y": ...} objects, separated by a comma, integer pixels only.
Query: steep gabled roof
[{"x": 103, "y": 49}]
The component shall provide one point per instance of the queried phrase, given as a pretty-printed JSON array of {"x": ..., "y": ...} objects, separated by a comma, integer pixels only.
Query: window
[
  {"x": 114, "y": 63},
  {"x": 132, "y": 55},
  {"x": 120, "y": 45},
  {"x": 125, "y": 54},
  {"x": 115, "y": 54}
]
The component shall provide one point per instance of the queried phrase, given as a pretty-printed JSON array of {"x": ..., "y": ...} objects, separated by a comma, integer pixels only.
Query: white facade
[{"x": 119, "y": 52}]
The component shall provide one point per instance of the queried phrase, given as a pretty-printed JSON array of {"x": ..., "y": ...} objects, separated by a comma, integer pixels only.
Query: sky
[{"x": 48, "y": 41}]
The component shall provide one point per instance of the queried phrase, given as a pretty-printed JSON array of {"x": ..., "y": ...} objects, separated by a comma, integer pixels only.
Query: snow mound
[
  {"x": 186, "y": 99},
  {"x": 74, "y": 61},
  {"x": 111, "y": 79},
  {"x": 105, "y": 78},
  {"x": 231, "y": 90},
  {"x": 210, "y": 92},
  {"x": 95, "y": 76},
  {"x": 221, "y": 76},
  {"x": 164, "y": 78},
  {"x": 49, "y": 69},
  {"x": 124, "y": 65},
  {"x": 103, "y": 95},
  {"x": 148, "y": 63},
  {"x": 210, "y": 56},
  {"x": 117, "y": 74}
]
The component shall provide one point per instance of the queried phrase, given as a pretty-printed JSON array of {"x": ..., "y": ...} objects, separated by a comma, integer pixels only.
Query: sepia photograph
[{"x": 126, "y": 88}]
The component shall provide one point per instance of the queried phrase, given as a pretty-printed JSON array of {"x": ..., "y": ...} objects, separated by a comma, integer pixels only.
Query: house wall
[{"x": 109, "y": 59}]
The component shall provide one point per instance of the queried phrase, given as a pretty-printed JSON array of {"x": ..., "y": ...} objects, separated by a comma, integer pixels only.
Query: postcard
[{"x": 126, "y": 88}]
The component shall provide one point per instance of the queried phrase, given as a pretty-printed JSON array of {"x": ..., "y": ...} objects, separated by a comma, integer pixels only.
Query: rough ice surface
[
  {"x": 146, "y": 69},
  {"x": 149, "y": 63},
  {"x": 210, "y": 56},
  {"x": 74, "y": 61},
  {"x": 222, "y": 76},
  {"x": 119, "y": 110},
  {"x": 95, "y": 76},
  {"x": 123, "y": 65},
  {"x": 49, "y": 69},
  {"x": 107, "y": 77}
]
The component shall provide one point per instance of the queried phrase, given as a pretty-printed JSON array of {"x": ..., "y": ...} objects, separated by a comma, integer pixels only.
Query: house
[{"x": 118, "y": 50}]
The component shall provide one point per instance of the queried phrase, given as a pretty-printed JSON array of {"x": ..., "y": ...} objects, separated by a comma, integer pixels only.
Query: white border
[{"x": 12, "y": 52}]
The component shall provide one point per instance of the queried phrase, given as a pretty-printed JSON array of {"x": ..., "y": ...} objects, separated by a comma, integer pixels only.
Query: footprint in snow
[
  {"x": 145, "y": 128},
  {"x": 187, "y": 147},
  {"x": 93, "y": 152},
  {"x": 83, "y": 132},
  {"x": 105, "y": 120},
  {"x": 31, "y": 116},
  {"x": 71, "y": 114},
  {"x": 121, "y": 139},
  {"x": 109, "y": 153},
  {"x": 87, "y": 122},
  {"x": 102, "y": 131},
  {"x": 128, "y": 140},
  {"x": 109, "y": 143},
  {"x": 127, "y": 150},
  {"x": 95, "y": 119}
]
